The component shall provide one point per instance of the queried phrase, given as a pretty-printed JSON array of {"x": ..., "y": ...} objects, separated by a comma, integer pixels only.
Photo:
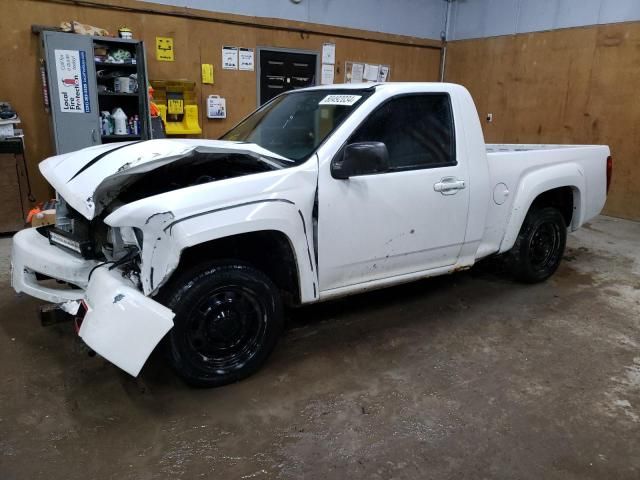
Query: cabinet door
[
  {"x": 143, "y": 81},
  {"x": 71, "y": 75}
]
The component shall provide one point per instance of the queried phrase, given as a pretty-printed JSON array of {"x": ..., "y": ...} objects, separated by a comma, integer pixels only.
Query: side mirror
[{"x": 362, "y": 158}]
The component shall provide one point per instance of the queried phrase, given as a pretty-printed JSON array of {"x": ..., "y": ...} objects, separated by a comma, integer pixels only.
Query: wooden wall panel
[
  {"x": 196, "y": 42},
  {"x": 566, "y": 86},
  {"x": 11, "y": 196}
]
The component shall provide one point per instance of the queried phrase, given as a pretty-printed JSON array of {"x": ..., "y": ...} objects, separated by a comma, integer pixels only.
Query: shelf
[
  {"x": 114, "y": 94},
  {"x": 102, "y": 86},
  {"x": 109, "y": 64},
  {"x": 118, "y": 41},
  {"x": 121, "y": 137}
]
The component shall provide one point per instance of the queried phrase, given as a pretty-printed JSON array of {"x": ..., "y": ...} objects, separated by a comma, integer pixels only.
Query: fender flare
[
  {"x": 162, "y": 255},
  {"x": 537, "y": 182}
]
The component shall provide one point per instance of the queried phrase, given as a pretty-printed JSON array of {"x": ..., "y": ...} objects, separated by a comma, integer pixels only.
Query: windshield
[{"x": 295, "y": 124}]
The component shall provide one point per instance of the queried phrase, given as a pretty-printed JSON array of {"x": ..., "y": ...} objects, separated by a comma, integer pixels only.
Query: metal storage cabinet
[{"x": 74, "y": 98}]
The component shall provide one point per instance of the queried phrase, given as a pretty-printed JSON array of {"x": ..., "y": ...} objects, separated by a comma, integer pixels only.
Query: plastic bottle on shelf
[
  {"x": 106, "y": 126},
  {"x": 120, "y": 122}
]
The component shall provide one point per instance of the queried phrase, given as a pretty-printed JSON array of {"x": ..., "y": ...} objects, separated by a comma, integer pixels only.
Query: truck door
[{"x": 408, "y": 219}]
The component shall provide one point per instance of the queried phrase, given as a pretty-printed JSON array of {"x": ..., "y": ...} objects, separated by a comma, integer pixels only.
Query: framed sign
[{"x": 73, "y": 86}]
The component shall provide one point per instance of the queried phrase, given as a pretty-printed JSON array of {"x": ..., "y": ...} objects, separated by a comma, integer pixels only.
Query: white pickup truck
[{"x": 321, "y": 193}]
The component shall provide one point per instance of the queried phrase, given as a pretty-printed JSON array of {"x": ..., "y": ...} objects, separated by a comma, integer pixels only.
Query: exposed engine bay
[
  {"x": 94, "y": 239},
  {"x": 194, "y": 169}
]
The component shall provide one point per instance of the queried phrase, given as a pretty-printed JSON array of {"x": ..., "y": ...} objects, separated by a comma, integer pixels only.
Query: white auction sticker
[{"x": 347, "y": 100}]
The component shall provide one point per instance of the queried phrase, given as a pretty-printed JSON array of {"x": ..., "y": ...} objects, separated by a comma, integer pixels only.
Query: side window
[{"x": 417, "y": 130}]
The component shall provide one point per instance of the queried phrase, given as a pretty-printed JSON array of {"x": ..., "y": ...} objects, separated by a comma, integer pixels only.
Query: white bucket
[{"x": 123, "y": 85}]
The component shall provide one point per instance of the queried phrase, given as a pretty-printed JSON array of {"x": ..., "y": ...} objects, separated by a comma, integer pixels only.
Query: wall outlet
[{"x": 489, "y": 117}]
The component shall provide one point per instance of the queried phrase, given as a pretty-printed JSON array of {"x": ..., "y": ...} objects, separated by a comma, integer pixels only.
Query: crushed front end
[
  {"x": 111, "y": 247},
  {"x": 79, "y": 260}
]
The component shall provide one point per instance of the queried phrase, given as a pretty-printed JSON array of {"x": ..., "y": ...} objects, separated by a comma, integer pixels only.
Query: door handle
[{"x": 449, "y": 185}]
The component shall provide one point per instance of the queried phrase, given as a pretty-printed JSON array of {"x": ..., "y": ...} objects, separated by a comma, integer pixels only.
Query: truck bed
[
  {"x": 521, "y": 169},
  {"x": 517, "y": 147}
]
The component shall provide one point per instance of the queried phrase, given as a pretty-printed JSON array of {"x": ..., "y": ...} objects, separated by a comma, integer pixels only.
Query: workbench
[{"x": 14, "y": 184}]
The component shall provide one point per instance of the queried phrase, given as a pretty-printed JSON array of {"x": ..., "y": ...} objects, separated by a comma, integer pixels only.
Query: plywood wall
[
  {"x": 196, "y": 42},
  {"x": 578, "y": 85}
]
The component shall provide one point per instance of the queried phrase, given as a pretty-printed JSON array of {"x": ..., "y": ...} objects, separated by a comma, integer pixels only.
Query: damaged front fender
[
  {"x": 160, "y": 254},
  {"x": 280, "y": 200}
]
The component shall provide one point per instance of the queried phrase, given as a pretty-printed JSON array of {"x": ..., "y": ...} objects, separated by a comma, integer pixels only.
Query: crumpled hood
[{"x": 87, "y": 179}]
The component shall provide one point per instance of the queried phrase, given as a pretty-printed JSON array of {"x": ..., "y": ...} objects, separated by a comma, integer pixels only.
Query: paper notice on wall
[
  {"x": 329, "y": 53},
  {"x": 371, "y": 72},
  {"x": 357, "y": 73},
  {"x": 73, "y": 81},
  {"x": 246, "y": 57},
  {"x": 383, "y": 74},
  {"x": 230, "y": 58},
  {"x": 327, "y": 75}
]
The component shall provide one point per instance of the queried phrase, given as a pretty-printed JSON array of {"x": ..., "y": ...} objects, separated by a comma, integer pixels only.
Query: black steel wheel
[
  {"x": 228, "y": 318},
  {"x": 538, "y": 250}
]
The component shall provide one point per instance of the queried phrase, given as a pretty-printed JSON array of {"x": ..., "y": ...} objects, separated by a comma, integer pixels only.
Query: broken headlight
[
  {"x": 72, "y": 231},
  {"x": 122, "y": 242}
]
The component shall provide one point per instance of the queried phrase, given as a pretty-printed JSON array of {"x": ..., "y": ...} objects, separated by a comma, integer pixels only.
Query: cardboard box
[{"x": 46, "y": 217}]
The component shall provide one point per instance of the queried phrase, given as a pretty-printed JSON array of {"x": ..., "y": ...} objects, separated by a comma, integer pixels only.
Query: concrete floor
[{"x": 464, "y": 376}]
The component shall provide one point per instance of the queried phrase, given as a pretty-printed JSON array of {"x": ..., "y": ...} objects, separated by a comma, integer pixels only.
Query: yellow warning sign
[
  {"x": 175, "y": 106},
  {"x": 164, "y": 49},
  {"x": 207, "y": 73}
]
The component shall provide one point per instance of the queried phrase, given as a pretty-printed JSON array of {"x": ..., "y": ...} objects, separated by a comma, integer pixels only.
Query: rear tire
[
  {"x": 228, "y": 318},
  {"x": 538, "y": 250}
]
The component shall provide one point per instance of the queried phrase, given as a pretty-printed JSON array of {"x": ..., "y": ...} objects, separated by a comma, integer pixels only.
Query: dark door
[{"x": 283, "y": 71}]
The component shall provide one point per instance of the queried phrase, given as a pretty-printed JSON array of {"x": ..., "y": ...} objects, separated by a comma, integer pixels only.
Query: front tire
[
  {"x": 228, "y": 318},
  {"x": 538, "y": 250}
]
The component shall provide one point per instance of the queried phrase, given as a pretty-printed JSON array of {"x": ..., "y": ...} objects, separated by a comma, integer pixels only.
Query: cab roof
[{"x": 376, "y": 85}]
